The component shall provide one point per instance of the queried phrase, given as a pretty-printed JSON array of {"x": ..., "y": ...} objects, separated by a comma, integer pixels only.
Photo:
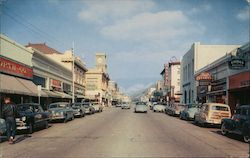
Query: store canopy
[
  {"x": 52, "y": 94},
  {"x": 80, "y": 96},
  {"x": 63, "y": 95},
  {"x": 15, "y": 85}
]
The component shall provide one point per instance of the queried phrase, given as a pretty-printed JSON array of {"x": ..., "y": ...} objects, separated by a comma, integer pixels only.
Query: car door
[
  {"x": 242, "y": 119},
  {"x": 236, "y": 120},
  {"x": 38, "y": 116}
]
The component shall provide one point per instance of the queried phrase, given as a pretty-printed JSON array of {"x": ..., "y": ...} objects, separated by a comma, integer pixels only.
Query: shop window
[{"x": 39, "y": 80}]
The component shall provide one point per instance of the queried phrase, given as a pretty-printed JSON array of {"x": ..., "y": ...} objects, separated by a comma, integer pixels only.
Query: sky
[{"x": 138, "y": 36}]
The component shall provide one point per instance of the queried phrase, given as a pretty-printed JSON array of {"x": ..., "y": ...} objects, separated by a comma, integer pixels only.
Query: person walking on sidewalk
[{"x": 9, "y": 114}]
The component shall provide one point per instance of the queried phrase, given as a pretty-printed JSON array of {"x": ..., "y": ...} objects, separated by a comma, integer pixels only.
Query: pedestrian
[{"x": 9, "y": 114}]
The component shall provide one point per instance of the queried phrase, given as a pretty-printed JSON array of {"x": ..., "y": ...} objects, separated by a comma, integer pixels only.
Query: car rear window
[{"x": 220, "y": 108}]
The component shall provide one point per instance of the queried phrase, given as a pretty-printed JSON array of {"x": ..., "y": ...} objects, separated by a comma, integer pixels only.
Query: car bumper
[{"x": 57, "y": 117}]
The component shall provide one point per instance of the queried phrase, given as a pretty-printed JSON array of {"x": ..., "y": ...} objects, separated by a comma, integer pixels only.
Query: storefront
[
  {"x": 218, "y": 91},
  {"x": 239, "y": 89},
  {"x": 16, "y": 73}
]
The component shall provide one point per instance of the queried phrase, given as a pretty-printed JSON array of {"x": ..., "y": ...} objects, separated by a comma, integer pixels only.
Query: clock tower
[{"x": 101, "y": 62}]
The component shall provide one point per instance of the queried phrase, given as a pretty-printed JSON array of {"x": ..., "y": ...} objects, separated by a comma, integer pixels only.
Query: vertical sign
[{"x": 166, "y": 79}]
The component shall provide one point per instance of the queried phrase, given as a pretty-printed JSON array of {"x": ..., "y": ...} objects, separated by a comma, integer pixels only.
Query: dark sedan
[
  {"x": 31, "y": 116},
  {"x": 239, "y": 123}
]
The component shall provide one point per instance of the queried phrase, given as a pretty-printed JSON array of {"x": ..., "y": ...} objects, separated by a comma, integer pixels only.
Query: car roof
[
  {"x": 59, "y": 103},
  {"x": 219, "y": 104},
  {"x": 244, "y": 106},
  {"x": 28, "y": 104}
]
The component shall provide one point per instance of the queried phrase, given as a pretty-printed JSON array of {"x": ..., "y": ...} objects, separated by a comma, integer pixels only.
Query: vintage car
[
  {"x": 159, "y": 108},
  {"x": 239, "y": 123},
  {"x": 61, "y": 111},
  {"x": 189, "y": 111},
  {"x": 88, "y": 108},
  {"x": 79, "y": 109},
  {"x": 174, "y": 109},
  {"x": 126, "y": 106},
  {"x": 31, "y": 116},
  {"x": 2, "y": 127},
  {"x": 141, "y": 107},
  {"x": 97, "y": 106},
  {"x": 212, "y": 113}
]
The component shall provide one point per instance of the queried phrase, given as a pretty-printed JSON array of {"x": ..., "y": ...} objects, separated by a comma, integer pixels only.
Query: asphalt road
[{"x": 122, "y": 133}]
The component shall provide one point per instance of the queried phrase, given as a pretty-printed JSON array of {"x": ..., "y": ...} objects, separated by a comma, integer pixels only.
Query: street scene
[{"x": 124, "y": 78}]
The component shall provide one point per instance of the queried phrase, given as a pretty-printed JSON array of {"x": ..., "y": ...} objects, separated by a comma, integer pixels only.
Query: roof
[{"x": 42, "y": 47}]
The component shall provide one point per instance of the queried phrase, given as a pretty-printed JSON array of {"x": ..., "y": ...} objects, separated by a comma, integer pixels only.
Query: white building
[{"x": 197, "y": 57}]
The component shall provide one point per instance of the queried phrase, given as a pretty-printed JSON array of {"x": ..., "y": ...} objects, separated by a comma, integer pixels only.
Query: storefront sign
[
  {"x": 236, "y": 63},
  {"x": 166, "y": 78},
  {"x": 56, "y": 84},
  {"x": 14, "y": 68},
  {"x": 204, "y": 76},
  {"x": 239, "y": 80}
]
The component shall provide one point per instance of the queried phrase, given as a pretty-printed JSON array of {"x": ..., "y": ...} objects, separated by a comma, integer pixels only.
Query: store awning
[
  {"x": 63, "y": 95},
  {"x": 15, "y": 85},
  {"x": 80, "y": 96},
  {"x": 52, "y": 94}
]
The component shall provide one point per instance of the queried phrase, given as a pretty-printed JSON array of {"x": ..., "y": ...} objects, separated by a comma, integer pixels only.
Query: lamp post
[
  {"x": 39, "y": 88},
  {"x": 73, "y": 74}
]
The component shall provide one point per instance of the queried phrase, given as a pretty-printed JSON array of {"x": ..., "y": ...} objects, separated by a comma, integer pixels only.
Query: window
[{"x": 39, "y": 80}]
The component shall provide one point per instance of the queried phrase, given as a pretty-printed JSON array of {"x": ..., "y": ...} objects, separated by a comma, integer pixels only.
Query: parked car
[
  {"x": 88, "y": 108},
  {"x": 141, "y": 107},
  {"x": 212, "y": 113},
  {"x": 159, "y": 108},
  {"x": 31, "y": 116},
  {"x": 189, "y": 111},
  {"x": 79, "y": 109},
  {"x": 97, "y": 106},
  {"x": 118, "y": 105},
  {"x": 126, "y": 106},
  {"x": 61, "y": 111},
  {"x": 239, "y": 123},
  {"x": 2, "y": 127},
  {"x": 175, "y": 108}
]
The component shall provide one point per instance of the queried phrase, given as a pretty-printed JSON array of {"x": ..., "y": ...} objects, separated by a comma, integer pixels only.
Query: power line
[{"x": 32, "y": 27}]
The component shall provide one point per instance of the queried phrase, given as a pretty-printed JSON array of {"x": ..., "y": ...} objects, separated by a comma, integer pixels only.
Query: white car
[{"x": 159, "y": 108}]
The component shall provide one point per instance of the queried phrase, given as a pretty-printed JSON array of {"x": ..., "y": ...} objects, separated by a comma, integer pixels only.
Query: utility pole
[{"x": 73, "y": 74}]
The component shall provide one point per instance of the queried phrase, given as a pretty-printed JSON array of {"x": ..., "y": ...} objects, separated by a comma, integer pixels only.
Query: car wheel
[
  {"x": 30, "y": 128},
  {"x": 246, "y": 138},
  {"x": 65, "y": 120},
  {"x": 154, "y": 111},
  {"x": 223, "y": 129},
  {"x": 195, "y": 121}
]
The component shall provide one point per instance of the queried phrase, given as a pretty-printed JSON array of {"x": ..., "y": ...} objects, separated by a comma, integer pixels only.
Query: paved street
[{"x": 122, "y": 133}]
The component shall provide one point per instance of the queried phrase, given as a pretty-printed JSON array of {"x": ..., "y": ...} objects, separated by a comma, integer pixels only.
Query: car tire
[
  {"x": 195, "y": 121},
  {"x": 31, "y": 130},
  {"x": 246, "y": 138},
  {"x": 223, "y": 129},
  {"x": 154, "y": 111}
]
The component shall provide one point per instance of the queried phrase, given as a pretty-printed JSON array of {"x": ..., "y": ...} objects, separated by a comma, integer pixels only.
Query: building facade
[
  {"x": 223, "y": 83},
  {"x": 97, "y": 81},
  {"x": 16, "y": 72},
  {"x": 197, "y": 57}
]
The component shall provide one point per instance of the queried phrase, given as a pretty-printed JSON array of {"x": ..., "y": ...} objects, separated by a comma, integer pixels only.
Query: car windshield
[
  {"x": 76, "y": 104},
  {"x": 59, "y": 105},
  {"x": 220, "y": 108},
  {"x": 141, "y": 103},
  {"x": 25, "y": 108}
]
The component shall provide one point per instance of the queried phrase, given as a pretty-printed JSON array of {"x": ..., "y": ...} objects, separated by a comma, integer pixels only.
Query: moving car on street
[
  {"x": 212, "y": 113},
  {"x": 141, "y": 107},
  {"x": 79, "y": 109},
  {"x": 239, "y": 123},
  {"x": 159, "y": 108},
  {"x": 61, "y": 111},
  {"x": 189, "y": 111},
  {"x": 31, "y": 116}
]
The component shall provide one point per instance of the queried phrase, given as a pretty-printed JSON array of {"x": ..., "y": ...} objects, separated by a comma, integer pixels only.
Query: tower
[{"x": 101, "y": 62}]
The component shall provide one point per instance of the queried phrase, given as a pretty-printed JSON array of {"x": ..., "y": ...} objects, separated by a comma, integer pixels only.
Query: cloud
[
  {"x": 243, "y": 14},
  {"x": 202, "y": 8},
  {"x": 137, "y": 87},
  {"x": 153, "y": 26},
  {"x": 101, "y": 11}
]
